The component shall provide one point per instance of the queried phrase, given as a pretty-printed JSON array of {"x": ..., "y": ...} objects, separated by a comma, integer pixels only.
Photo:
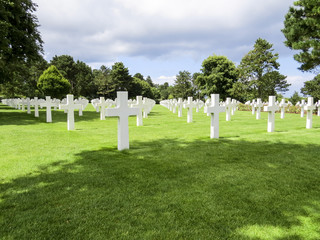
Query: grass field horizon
[{"x": 173, "y": 183}]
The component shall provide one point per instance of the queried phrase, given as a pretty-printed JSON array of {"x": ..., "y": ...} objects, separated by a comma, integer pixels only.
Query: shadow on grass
[
  {"x": 168, "y": 189},
  {"x": 11, "y": 116}
]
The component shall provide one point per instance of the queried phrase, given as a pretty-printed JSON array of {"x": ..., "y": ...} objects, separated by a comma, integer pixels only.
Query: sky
[{"x": 159, "y": 38}]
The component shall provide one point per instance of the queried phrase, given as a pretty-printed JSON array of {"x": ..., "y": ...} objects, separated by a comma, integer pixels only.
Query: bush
[{"x": 53, "y": 84}]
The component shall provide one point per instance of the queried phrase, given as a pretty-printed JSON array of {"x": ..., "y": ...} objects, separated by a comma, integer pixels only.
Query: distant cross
[
  {"x": 28, "y": 105},
  {"x": 103, "y": 104},
  {"x": 302, "y": 104},
  {"x": 206, "y": 105},
  {"x": 189, "y": 105},
  {"x": 258, "y": 105},
  {"x": 253, "y": 106},
  {"x": 271, "y": 108},
  {"x": 283, "y": 106},
  {"x": 148, "y": 107},
  {"x": 215, "y": 109},
  {"x": 179, "y": 106},
  {"x": 70, "y": 106},
  {"x": 228, "y": 106},
  {"x": 309, "y": 108},
  {"x": 233, "y": 106},
  {"x": 122, "y": 111},
  {"x": 174, "y": 106},
  {"x": 140, "y": 105},
  {"x": 48, "y": 104},
  {"x": 318, "y": 106},
  {"x": 23, "y": 103},
  {"x": 36, "y": 103}
]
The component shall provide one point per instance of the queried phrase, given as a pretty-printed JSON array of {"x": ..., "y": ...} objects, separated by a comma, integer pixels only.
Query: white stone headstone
[
  {"x": 140, "y": 105},
  {"x": 228, "y": 105},
  {"x": 253, "y": 106},
  {"x": 36, "y": 103},
  {"x": 215, "y": 109},
  {"x": 271, "y": 109},
  {"x": 70, "y": 106},
  {"x": 179, "y": 106},
  {"x": 302, "y": 104},
  {"x": 28, "y": 105},
  {"x": 318, "y": 107},
  {"x": 283, "y": 106},
  {"x": 48, "y": 104},
  {"x": 309, "y": 108},
  {"x": 258, "y": 106},
  {"x": 122, "y": 111},
  {"x": 189, "y": 105},
  {"x": 103, "y": 104}
]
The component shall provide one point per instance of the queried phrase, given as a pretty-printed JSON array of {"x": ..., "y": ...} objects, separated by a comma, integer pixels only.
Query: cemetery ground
[{"x": 174, "y": 182}]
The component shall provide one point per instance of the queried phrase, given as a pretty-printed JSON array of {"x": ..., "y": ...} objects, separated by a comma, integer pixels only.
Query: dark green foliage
[
  {"x": 140, "y": 88},
  {"x": 312, "y": 88},
  {"x": 295, "y": 98},
  {"x": 103, "y": 81},
  {"x": 20, "y": 40},
  {"x": 259, "y": 75},
  {"x": 52, "y": 83},
  {"x": 218, "y": 76},
  {"x": 121, "y": 78},
  {"x": 302, "y": 31},
  {"x": 183, "y": 85}
]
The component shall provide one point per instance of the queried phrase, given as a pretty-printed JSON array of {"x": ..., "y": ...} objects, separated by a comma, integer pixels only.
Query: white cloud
[
  {"x": 163, "y": 79},
  {"x": 98, "y": 30},
  {"x": 297, "y": 82}
]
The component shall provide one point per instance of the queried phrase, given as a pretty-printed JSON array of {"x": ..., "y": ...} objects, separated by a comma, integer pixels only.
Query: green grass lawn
[{"x": 174, "y": 182}]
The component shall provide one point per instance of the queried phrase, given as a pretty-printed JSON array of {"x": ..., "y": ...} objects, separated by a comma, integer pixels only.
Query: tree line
[{"x": 24, "y": 72}]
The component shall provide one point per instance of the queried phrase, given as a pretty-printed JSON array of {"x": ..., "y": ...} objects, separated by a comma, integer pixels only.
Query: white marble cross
[
  {"x": 215, "y": 109},
  {"x": 309, "y": 108},
  {"x": 23, "y": 104},
  {"x": 103, "y": 104},
  {"x": 140, "y": 105},
  {"x": 318, "y": 106},
  {"x": 28, "y": 105},
  {"x": 258, "y": 105},
  {"x": 70, "y": 106},
  {"x": 228, "y": 105},
  {"x": 36, "y": 103},
  {"x": 253, "y": 106},
  {"x": 271, "y": 108},
  {"x": 189, "y": 105},
  {"x": 122, "y": 111},
  {"x": 302, "y": 104},
  {"x": 48, "y": 104},
  {"x": 174, "y": 106},
  {"x": 283, "y": 106},
  {"x": 179, "y": 106}
]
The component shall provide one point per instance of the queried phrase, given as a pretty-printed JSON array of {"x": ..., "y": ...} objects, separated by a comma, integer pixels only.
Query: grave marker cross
[
  {"x": 309, "y": 108},
  {"x": 283, "y": 106},
  {"x": 271, "y": 108},
  {"x": 214, "y": 110},
  {"x": 258, "y": 105},
  {"x": 70, "y": 107},
  {"x": 122, "y": 111},
  {"x": 48, "y": 104},
  {"x": 189, "y": 105}
]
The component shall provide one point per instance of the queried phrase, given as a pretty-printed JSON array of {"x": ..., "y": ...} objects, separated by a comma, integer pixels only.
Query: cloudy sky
[{"x": 159, "y": 38}]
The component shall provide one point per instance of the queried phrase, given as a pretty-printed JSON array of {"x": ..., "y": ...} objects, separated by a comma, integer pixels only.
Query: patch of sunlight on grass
[
  {"x": 264, "y": 232},
  {"x": 270, "y": 165},
  {"x": 307, "y": 229}
]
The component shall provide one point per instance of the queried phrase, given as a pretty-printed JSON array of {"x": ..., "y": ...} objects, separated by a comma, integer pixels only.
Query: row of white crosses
[{"x": 190, "y": 104}]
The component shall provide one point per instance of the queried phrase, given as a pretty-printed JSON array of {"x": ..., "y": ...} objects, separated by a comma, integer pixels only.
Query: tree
[
  {"x": 103, "y": 81},
  {"x": 53, "y": 84},
  {"x": 67, "y": 67},
  {"x": 259, "y": 75},
  {"x": 302, "y": 31},
  {"x": 20, "y": 41},
  {"x": 121, "y": 78},
  {"x": 140, "y": 88},
  {"x": 85, "y": 80},
  {"x": 149, "y": 81},
  {"x": 183, "y": 85},
  {"x": 295, "y": 98},
  {"x": 218, "y": 76},
  {"x": 312, "y": 88},
  {"x": 139, "y": 75}
]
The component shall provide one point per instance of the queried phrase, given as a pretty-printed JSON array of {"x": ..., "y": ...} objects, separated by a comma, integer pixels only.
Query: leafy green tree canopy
[
  {"x": 302, "y": 31},
  {"x": 259, "y": 72},
  {"x": 20, "y": 40},
  {"x": 183, "y": 85},
  {"x": 312, "y": 88},
  {"x": 218, "y": 76},
  {"x": 53, "y": 84}
]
